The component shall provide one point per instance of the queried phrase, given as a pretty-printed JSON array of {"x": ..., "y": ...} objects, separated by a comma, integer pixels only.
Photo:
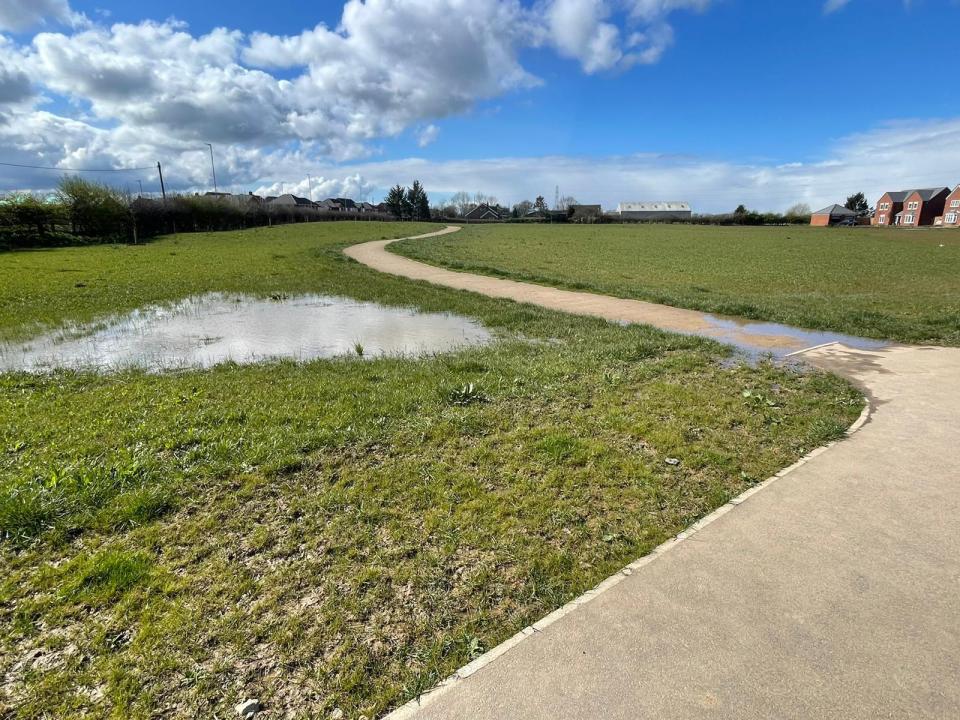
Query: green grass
[
  {"x": 878, "y": 283},
  {"x": 341, "y": 533}
]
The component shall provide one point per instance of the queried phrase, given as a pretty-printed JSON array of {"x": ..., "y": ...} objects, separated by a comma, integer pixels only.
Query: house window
[
  {"x": 951, "y": 218},
  {"x": 882, "y": 220},
  {"x": 913, "y": 206},
  {"x": 885, "y": 206},
  {"x": 907, "y": 220},
  {"x": 955, "y": 203}
]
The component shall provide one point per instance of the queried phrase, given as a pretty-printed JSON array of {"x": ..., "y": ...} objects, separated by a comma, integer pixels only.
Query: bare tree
[
  {"x": 522, "y": 208},
  {"x": 566, "y": 202},
  {"x": 462, "y": 202}
]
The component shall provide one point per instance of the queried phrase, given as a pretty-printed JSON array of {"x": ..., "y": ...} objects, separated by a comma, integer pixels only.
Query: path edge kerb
[{"x": 408, "y": 709}]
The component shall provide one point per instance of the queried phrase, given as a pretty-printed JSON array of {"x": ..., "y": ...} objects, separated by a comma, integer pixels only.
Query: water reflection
[{"x": 205, "y": 330}]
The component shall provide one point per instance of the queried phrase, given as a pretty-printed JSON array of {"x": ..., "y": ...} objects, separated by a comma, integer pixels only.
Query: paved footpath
[{"x": 832, "y": 592}]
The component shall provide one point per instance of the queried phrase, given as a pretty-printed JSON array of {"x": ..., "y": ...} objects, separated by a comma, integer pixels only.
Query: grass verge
[{"x": 342, "y": 533}]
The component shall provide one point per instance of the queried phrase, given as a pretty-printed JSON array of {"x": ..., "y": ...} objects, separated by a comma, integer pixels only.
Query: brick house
[
  {"x": 888, "y": 207},
  {"x": 920, "y": 207},
  {"x": 951, "y": 210}
]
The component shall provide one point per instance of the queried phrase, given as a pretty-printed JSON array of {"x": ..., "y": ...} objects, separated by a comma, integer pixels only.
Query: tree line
[{"x": 82, "y": 212}]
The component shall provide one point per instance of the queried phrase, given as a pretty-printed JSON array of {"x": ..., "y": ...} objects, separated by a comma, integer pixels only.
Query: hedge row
[{"x": 84, "y": 213}]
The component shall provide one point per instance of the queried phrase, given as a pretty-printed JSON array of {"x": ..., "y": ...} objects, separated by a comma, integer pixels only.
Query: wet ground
[
  {"x": 206, "y": 330},
  {"x": 755, "y": 338}
]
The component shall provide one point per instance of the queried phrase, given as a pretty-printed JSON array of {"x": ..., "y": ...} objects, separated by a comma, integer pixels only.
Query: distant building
[
  {"x": 911, "y": 208},
  {"x": 888, "y": 207},
  {"x": 832, "y": 215},
  {"x": 240, "y": 201},
  {"x": 346, "y": 204},
  {"x": 922, "y": 207},
  {"x": 366, "y": 207},
  {"x": 486, "y": 212},
  {"x": 951, "y": 211},
  {"x": 289, "y": 200},
  {"x": 654, "y": 211}
]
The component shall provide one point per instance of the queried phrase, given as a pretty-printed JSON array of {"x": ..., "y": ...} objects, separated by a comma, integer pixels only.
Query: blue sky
[{"x": 779, "y": 102}]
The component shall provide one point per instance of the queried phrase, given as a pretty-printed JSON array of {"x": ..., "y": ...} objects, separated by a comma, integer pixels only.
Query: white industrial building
[{"x": 653, "y": 211}]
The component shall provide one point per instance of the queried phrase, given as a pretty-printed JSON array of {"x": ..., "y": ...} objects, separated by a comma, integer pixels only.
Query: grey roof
[
  {"x": 925, "y": 194},
  {"x": 290, "y": 199},
  {"x": 899, "y": 196},
  {"x": 835, "y": 210},
  {"x": 930, "y": 193},
  {"x": 654, "y": 206},
  {"x": 483, "y": 210}
]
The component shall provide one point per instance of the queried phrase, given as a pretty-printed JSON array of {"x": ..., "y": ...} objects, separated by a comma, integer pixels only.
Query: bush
[
  {"x": 95, "y": 210},
  {"x": 28, "y": 221}
]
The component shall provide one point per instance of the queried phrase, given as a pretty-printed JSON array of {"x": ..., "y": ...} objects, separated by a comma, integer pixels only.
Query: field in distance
[{"x": 890, "y": 284}]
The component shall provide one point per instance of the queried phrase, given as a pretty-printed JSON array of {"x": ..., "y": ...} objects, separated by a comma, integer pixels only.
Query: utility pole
[
  {"x": 309, "y": 188},
  {"x": 212, "y": 168},
  {"x": 163, "y": 191},
  {"x": 141, "y": 187}
]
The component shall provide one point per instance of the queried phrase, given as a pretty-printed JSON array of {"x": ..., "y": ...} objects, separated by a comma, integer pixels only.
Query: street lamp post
[{"x": 213, "y": 169}]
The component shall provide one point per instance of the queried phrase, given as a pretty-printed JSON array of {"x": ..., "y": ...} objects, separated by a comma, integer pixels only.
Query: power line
[{"x": 63, "y": 169}]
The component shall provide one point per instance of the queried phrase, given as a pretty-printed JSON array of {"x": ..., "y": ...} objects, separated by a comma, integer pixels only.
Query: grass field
[
  {"x": 891, "y": 284},
  {"x": 341, "y": 533}
]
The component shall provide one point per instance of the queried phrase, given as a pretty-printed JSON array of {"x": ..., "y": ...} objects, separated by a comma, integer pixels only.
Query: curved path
[{"x": 832, "y": 593}]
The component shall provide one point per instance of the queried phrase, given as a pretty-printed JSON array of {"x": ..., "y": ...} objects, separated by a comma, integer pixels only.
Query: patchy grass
[
  {"x": 894, "y": 284},
  {"x": 342, "y": 533}
]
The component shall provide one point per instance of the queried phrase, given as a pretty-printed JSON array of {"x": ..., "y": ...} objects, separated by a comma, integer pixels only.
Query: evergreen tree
[
  {"x": 397, "y": 201},
  {"x": 858, "y": 203},
  {"x": 418, "y": 201}
]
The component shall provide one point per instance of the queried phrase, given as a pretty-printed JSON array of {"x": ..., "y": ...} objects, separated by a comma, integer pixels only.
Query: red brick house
[
  {"x": 951, "y": 210},
  {"x": 922, "y": 207},
  {"x": 888, "y": 207}
]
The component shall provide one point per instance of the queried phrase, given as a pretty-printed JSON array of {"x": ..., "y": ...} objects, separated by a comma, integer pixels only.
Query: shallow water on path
[
  {"x": 205, "y": 330},
  {"x": 757, "y": 337}
]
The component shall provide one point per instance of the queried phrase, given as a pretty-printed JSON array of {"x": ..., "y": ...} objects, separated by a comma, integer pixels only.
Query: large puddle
[{"x": 203, "y": 331}]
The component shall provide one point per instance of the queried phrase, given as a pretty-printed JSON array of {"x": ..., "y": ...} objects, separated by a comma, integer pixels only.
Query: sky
[{"x": 716, "y": 102}]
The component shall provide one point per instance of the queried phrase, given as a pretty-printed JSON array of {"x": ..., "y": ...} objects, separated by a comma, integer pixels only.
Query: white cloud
[
  {"x": 155, "y": 84},
  {"x": 578, "y": 29},
  {"x": 832, "y": 6},
  {"x": 899, "y": 155},
  {"x": 587, "y": 30},
  {"x": 373, "y": 77},
  {"x": 20, "y": 15},
  {"x": 428, "y": 135},
  {"x": 355, "y": 187}
]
